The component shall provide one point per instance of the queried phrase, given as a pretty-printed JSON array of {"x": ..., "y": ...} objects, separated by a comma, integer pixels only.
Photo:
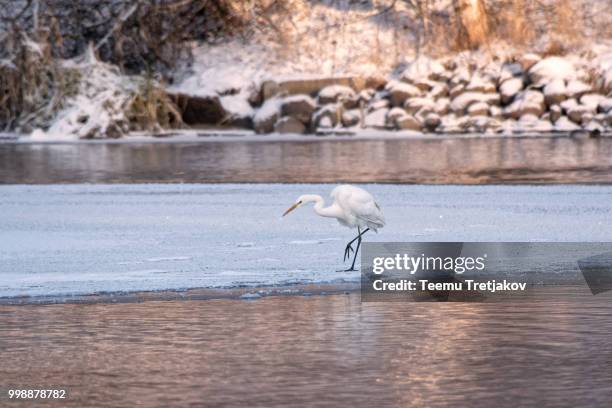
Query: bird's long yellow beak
[{"x": 293, "y": 207}]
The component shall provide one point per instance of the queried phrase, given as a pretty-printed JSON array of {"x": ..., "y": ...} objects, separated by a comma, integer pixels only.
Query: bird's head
[{"x": 300, "y": 200}]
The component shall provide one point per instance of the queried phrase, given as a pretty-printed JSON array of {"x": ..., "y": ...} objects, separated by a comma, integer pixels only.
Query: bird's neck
[{"x": 319, "y": 207}]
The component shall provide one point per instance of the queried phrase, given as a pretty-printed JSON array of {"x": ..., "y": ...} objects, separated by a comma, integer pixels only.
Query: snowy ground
[{"x": 79, "y": 239}]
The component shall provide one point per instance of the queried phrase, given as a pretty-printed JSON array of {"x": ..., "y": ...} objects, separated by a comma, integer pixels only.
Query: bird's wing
[{"x": 360, "y": 203}]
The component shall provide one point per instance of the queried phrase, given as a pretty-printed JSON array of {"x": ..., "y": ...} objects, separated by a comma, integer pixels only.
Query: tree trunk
[{"x": 472, "y": 23}]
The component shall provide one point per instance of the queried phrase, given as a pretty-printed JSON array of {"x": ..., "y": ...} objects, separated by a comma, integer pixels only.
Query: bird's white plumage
[
  {"x": 353, "y": 207},
  {"x": 359, "y": 207}
]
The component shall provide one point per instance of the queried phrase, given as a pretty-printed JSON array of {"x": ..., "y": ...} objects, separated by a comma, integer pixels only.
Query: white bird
[{"x": 352, "y": 207}]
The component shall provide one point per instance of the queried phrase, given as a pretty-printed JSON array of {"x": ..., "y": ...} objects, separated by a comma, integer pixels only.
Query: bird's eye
[{"x": 300, "y": 202}]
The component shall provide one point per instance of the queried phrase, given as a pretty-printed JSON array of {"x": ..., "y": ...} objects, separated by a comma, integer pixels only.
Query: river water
[
  {"x": 443, "y": 160},
  {"x": 278, "y": 351},
  {"x": 314, "y": 351}
]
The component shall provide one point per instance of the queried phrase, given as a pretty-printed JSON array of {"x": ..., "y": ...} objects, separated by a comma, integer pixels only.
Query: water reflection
[
  {"x": 444, "y": 160},
  {"x": 311, "y": 351}
]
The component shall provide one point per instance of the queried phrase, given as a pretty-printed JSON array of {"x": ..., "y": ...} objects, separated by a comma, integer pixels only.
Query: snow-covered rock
[
  {"x": 413, "y": 105},
  {"x": 527, "y": 61},
  {"x": 549, "y": 69},
  {"x": 333, "y": 93},
  {"x": 526, "y": 102},
  {"x": 266, "y": 116},
  {"x": 605, "y": 105},
  {"x": 326, "y": 116},
  {"x": 509, "y": 88},
  {"x": 555, "y": 92},
  {"x": 439, "y": 90},
  {"x": 592, "y": 100},
  {"x": 424, "y": 68},
  {"x": 568, "y": 104},
  {"x": 460, "y": 104},
  {"x": 407, "y": 122},
  {"x": 480, "y": 84},
  {"x": 578, "y": 112},
  {"x": 300, "y": 107},
  {"x": 351, "y": 118},
  {"x": 478, "y": 109},
  {"x": 400, "y": 91},
  {"x": 442, "y": 106},
  {"x": 394, "y": 114},
  {"x": 555, "y": 113},
  {"x": 510, "y": 70},
  {"x": 577, "y": 88},
  {"x": 563, "y": 124},
  {"x": 289, "y": 124},
  {"x": 495, "y": 112},
  {"x": 432, "y": 121}
]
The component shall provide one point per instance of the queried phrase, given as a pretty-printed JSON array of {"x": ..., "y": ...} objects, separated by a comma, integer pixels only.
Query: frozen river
[{"x": 82, "y": 239}]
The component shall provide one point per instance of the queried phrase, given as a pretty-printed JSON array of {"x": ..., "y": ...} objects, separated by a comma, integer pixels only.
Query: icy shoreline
[
  {"x": 241, "y": 135},
  {"x": 73, "y": 240}
]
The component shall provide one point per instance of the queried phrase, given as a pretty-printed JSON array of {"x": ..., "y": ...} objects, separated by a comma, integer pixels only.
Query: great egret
[{"x": 352, "y": 207}]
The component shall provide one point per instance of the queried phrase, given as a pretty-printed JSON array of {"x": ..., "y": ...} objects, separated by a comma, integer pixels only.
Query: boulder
[
  {"x": 438, "y": 91},
  {"x": 568, "y": 104},
  {"x": 495, "y": 112},
  {"x": 555, "y": 92},
  {"x": 393, "y": 115},
  {"x": 563, "y": 124},
  {"x": 326, "y": 116},
  {"x": 442, "y": 106},
  {"x": 375, "y": 82},
  {"x": 300, "y": 107},
  {"x": 335, "y": 93},
  {"x": 576, "y": 88},
  {"x": 555, "y": 113},
  {"x": 592, "y": 100},
  {"x": 266, "y": 116},
  {"x": 478, "y": 109},
  {"x": 289, "y": 124},
  {"x": 400, "y": 91},
  {"x": 366, "y": 95},
  {"x": 527, "y": 61},
  {"x": 462, "y": 76},
  {"x": 510, "y": 70},
  {"x": 456, "y": 90},
  {"x": 461, "y": 103},
  {"x": 351, "y": 118},
  {"x": 407, "y": 122},
  {"x": 526, "y": 102},
  {"x": 605, "y": 105},
  {"x": 424, "y": 68},
  {"x": 413, "y": 105},
  {"x": 509, "y": 88},
  {"x": 480, "y": 84},
  {"x": 549, "y": 69},
  {"x": 432, "y": 121},
  {"x": 576, "y": 113}
]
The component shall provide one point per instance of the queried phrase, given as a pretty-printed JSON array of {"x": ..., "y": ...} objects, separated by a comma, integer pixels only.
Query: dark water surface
[
  {"x": 447, "y": 160},
  {"x": 314, "y": 351}
]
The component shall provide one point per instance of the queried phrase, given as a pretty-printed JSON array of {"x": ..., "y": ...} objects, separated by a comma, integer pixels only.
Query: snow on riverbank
[{"x": 108, "y": 238}]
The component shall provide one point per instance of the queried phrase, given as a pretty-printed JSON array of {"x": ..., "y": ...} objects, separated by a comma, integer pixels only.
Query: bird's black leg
[
  {"x": 349, "y": 248},
  {"x": 352, "y": 268}
]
